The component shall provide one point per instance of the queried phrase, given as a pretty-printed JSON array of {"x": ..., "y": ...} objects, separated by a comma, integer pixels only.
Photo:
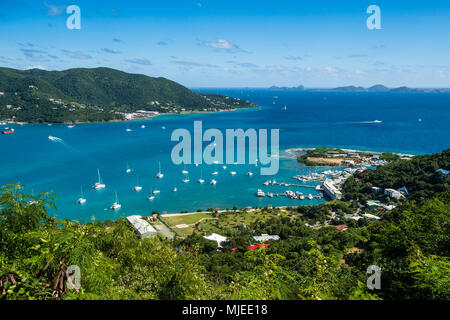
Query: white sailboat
[
  {"x": 82, "y": 199},
  {"x": 186, "y": 179},
  {"x": 99, "y": 185},
  {"x": 175, "y": 189},
  {"x": 137, "y": 187},
  {"x": 151, "y": 196},
  {"x": 232, "y": 173},
  {"x": 116, "y": 205},
  {"x": 213, "y": 182},
  {"x": 128, "y": 128},
  {"x": 249, "y": 173},
  {"x": 159, "y": 175},
  {"x": 184, "y": 171},
  {"x": 201, "y": 181},
  {"x": 128, "y": 170}
]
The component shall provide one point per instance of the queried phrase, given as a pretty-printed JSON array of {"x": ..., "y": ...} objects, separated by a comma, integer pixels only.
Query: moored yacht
[
  {"x": 232, "y": 173},
  {"x": 249, "y": 173},
  {"x": 116, "y": 205},
  {"x": 82, "y": 199},
  {"x": 260, "y": 193},
  {"x": 99, "y": 185},
  {"x": 159, "y": 175},
  {"x": 213, "y": 182},
  {"x": 137, "y": 187}
]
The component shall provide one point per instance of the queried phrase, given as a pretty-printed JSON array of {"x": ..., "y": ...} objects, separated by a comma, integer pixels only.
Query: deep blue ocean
[{"x": 311, "y": 119}]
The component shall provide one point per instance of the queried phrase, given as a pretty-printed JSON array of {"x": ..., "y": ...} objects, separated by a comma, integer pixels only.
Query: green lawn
[{"x": 187, "y": 219}]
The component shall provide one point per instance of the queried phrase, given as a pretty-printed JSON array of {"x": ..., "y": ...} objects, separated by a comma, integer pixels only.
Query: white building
[
  {"x": 370, "y": 216},
  {"x": 331, "y": 190},
  {"x": 393, "y": 194},
  {"x": 142, "y": 227},
  {"x": 216, "y": 237},
  {"x": 266, "y": 237}
]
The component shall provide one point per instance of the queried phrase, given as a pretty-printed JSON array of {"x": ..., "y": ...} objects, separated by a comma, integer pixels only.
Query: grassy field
[
  {"x": 224, "y": 223},
  {"x": 187, "y": 219}
]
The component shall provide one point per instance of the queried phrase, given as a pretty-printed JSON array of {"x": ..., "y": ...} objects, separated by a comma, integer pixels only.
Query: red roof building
[
  {"x": 341, "y": 227},
  {"x": 253, "y": 247}
]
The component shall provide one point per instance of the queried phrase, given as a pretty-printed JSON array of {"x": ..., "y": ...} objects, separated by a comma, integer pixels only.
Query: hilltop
[{"x": 99, "y": 94}]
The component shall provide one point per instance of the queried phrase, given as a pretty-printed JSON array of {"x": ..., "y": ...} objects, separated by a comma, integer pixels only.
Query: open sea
[{"x": 413, "y": 123}]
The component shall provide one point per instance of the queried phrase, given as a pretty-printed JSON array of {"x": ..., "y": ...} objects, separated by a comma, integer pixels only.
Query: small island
[{"x": 334, "y": 157}]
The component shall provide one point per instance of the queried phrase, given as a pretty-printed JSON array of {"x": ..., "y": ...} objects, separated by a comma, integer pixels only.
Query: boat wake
[{"x": 55, "y": 139}]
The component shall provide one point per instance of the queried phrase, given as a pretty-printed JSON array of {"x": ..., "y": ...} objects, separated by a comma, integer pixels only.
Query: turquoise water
[{"x": 312, "y": 119}]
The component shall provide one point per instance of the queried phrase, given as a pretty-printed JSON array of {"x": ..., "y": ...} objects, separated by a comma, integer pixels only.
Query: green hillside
[{"x": 99, "y": 94}]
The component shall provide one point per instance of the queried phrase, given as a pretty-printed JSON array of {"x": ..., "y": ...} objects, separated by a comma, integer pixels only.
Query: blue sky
[{"x": 245, "y": 43}]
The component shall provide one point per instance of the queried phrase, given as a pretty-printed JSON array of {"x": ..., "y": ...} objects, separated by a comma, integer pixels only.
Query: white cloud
[{"x": 221, "y": 44}]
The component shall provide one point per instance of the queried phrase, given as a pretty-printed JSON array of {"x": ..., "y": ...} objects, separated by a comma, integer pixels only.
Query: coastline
[{"x": 21, "y": 123}]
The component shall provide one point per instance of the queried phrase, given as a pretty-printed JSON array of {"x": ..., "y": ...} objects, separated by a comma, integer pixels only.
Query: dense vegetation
[
  {"x": 97, "y": 95},
  {"x": 409, "y": 244},
  {"x": 419, "y": 176}
]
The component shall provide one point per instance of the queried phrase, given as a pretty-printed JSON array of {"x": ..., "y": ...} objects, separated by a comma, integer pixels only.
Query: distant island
[
  {"x": 375, "y": 88},
  {"x": 98, "y": 95}
]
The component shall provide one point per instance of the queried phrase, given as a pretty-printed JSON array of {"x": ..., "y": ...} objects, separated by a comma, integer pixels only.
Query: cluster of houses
[{"x": 262, "y": 238}]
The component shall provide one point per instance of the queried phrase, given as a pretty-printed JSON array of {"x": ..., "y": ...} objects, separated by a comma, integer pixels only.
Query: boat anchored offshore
[
  {"x": 175, "y": 189},
  {"x": 128, "y": 170},
  {"x": 8, "y": 131},
  {"x": 186, "y": 179},
  {"x": 151, "y": 196},
  {"x": 116, "y": 205},
  {"x": 249, "y": 173},
  {"x": 213, "y": 182},
  {"x": 260, "y": 193},
  {"x": 81, "y": 200},
  {"x": 137, "y": 187},
  {"x": 159, "y": 175},
  {"x": 232, "y": 173},
  {"x": 99, "y": 185},
  {"x": 201, "y": 181}
]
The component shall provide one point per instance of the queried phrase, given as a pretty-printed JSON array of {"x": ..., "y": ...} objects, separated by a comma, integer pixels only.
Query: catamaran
[
  {"x": 99, "y": 185},
  {"x": 159, "y": 175},
  {"x": 116, "y": 205},
  {"x": 81, "y": 200}
]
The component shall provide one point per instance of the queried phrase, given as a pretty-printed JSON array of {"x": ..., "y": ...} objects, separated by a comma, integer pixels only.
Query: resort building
[
  {"x": 142, "y": 227},
  {"x": 393, "y": 194},
  {"x": 266, "y": 237},
  {"x": 370, "y": 216},
  {"x": 331, "y": 190},
  {"x": 216, "y": 237}
]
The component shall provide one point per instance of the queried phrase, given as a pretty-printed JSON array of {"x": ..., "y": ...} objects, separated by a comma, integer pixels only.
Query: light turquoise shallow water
[{"x": 311, "y": 119}]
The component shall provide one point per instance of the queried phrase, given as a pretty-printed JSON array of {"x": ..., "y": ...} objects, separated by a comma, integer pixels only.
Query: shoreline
[{"x": 21, "y": 123}]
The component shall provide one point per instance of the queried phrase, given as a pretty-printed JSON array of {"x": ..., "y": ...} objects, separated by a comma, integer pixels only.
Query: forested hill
[{"x": 78, "y": 94}]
